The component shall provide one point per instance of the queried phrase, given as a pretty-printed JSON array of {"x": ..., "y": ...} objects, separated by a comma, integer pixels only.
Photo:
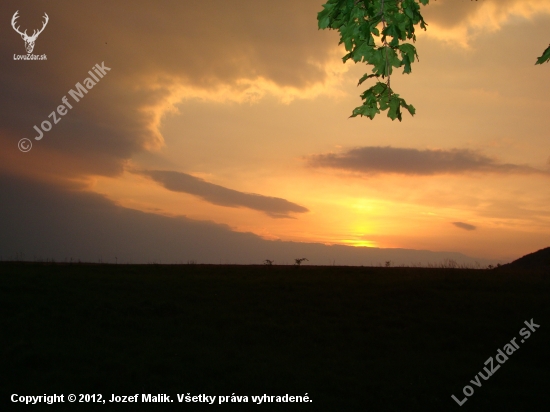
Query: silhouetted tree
[{"x": 299, "y": 261}]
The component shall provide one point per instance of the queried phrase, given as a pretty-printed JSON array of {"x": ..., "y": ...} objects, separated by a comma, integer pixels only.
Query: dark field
[{"x": 352, "y": 338}]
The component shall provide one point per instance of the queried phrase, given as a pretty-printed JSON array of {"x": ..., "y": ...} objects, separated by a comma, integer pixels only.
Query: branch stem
[{"x": 385, "y": 42}]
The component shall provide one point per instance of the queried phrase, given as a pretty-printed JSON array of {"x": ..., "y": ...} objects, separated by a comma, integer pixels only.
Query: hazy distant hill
[{"x": 539, "y": 259}]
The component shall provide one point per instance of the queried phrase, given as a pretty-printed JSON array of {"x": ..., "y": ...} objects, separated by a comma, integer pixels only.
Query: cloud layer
[
  {"x": 42, "y": 221},
  {"x": 378, "y": 160},
  {"x": 222, "y": 196}
]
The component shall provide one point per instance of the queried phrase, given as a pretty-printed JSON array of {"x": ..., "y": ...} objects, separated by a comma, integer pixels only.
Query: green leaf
[
  {"x": 410, "y": 50},
  {"x": 394, "y": 112},
  {"x": 407, "y": 64},
  {"x": 365, "y": 77},
  {"x": 324, "y": 16},
  {"x": 545, "y": 56},
  {"x": 365, "y": 110},
  {"x": 409, "y": 12},
  {"x": 324, "y": 20},
  {"x": 364, "y": 52},
  {"x": 393, "y": 59}
]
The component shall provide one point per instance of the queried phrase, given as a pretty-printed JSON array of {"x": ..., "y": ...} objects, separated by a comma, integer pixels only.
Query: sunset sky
[{"x": 235, "y": 115}]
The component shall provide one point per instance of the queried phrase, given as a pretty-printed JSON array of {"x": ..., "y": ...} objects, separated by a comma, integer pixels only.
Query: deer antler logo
[{"x": 29, "y": 40}]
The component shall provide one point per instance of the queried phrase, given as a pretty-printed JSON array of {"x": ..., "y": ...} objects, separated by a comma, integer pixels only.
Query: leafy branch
[{"x": 358, "y": 22}]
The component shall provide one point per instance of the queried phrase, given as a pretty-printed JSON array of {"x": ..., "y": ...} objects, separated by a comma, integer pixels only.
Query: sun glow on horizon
[{"x": 360, "y": 243}]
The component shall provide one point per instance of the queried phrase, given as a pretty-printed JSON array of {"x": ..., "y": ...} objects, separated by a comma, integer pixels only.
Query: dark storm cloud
[
  {"x": 464, "y": 226},
  {"x": 376, "y": 160},
  {"x": 222, "y": 196},
  {"x": 152, "y": 47}
]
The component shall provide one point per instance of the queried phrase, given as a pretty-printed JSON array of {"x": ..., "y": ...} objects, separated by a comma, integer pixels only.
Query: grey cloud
[
  {"x": 376, "y": 160},
  {"x": 222, "y": 196},
  {"x": 451, "y": 13},
  {"x": 464, "y": 226}
]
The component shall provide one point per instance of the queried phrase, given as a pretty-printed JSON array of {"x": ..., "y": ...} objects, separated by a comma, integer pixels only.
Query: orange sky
[{"x": 210, "y": 104}]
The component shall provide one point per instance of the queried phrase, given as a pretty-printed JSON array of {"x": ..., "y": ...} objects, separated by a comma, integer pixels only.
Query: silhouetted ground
[
  {"x": 537, "y": 260},
  {"x": 352, "y": 338}
]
